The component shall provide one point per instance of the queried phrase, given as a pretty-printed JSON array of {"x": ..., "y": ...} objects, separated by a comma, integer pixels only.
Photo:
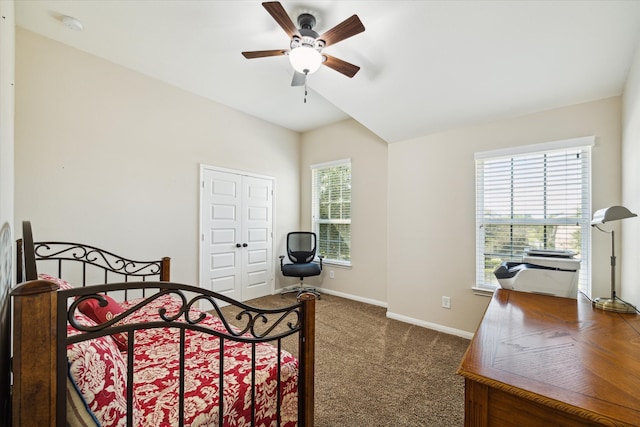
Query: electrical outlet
[
  {"x": 446, "y": 302},
  {"x": 331, "y": 274}
]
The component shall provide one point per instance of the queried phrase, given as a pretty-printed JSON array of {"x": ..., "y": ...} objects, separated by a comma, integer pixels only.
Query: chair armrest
[
  {"x": 281, "y": 258},
  {"x": 320, "y": 258}
]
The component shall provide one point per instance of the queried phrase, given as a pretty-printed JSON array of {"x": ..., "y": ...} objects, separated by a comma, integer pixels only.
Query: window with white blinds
[
  {"x": 533, "y": 197},
  {"x": 331, "y": 210}
]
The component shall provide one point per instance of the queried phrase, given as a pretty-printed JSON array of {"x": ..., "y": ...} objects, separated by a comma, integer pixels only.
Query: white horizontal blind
[
  {"x": 331, "y": 210},
  {"x": 538, "y": 200}
]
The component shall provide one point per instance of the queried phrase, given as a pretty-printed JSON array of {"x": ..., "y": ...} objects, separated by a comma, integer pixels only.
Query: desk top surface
[{"x": 560, "y": 352}]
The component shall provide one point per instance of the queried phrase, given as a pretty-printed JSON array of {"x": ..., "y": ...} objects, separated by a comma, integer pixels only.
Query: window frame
[
  {"x": 584, "y": 143},
  {"x": 315, "y": 209}
]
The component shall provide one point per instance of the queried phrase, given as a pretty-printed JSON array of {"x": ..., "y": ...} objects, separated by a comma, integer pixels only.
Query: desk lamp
[{"x": 612, "y": 303}]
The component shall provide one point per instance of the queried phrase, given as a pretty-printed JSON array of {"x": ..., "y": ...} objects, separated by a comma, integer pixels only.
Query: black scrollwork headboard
[{"x": 92, "y": 265}]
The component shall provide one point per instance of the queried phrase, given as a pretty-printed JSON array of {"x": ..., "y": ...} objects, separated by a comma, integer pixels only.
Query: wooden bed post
[
  {"x": 307, "y": 350},
  {"x": 34, "y": 354},
  {"x": 19, "y": 258},
  {"x": 165, "y": 273}
]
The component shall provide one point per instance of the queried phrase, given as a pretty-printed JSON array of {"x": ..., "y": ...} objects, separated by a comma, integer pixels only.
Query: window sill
[
  {"x": 336, "y": 263},
  {"x": 483, "y": 291}
]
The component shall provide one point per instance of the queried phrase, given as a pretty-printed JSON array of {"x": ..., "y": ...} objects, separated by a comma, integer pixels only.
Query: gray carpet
[{"x": 373, "y": 371}]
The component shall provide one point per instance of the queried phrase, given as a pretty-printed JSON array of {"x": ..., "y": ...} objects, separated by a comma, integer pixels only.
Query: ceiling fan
[{"x": 305, "y": 53}]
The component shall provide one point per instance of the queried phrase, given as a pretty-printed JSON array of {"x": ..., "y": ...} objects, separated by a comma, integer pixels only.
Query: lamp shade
[
  {"x": 612, "y": 213},
  {"x": 305, "y": 59}
]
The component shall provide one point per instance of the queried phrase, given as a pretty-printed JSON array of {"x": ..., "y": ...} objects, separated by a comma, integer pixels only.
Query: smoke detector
[{"x": 72, "y": 23}]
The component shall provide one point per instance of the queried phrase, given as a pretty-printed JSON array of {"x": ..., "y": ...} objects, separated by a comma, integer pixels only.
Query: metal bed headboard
[{"x": 30, "y": 253}]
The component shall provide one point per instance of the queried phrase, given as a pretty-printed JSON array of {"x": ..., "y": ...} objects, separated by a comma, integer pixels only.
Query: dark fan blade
[
  {"x": 263, "y": 53},
  {"x": 278, "y": 13},
  {"x": 341, "y": 66},
  {"x": 347, "y": 28},
  {"x": 298, "y": 79}
]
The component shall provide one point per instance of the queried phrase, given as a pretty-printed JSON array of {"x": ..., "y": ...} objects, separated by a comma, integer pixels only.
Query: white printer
[{"x": 542, "y": 271}]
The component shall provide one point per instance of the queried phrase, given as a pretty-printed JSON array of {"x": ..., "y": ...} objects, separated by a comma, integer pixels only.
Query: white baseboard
[
  {"x": 400, "y": 317},
  {"x": 353, "y": 297},
  {"x": 429, "y": 325}
]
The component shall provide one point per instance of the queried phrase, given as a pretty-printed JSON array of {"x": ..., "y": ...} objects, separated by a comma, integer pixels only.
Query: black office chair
[{"x": 301, "y": 250}]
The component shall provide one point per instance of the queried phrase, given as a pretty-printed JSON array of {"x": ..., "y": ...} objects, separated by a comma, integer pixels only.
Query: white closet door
[
  {"x": 236, "y": 245},
  {"x": 257, "y": 223}
]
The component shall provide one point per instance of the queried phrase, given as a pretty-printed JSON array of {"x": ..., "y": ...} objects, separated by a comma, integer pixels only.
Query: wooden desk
[{"x": 542, "y": 360}]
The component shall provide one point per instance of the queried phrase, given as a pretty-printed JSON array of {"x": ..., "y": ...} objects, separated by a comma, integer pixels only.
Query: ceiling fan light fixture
[
  {"x": 306, "y": 45},
  {"x": 305, "y": 59}
]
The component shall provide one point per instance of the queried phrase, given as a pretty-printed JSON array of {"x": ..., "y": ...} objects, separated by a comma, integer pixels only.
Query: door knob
[
  {"x": 238, "y": 245},
  {"x": 244, "y": 245}
]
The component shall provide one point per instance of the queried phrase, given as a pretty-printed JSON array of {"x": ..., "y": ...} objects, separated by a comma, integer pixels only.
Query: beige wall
[
  {"x": 7, "y": 62},
  {"x": 432, "y": 206},
  {"x": 104, "y": 153},
  {"x": 630, "y": 254},
  {"x": 366, "y": 278},
  {"x": 111, "y": 157}
]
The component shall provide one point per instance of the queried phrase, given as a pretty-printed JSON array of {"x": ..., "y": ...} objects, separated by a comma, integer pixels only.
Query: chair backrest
[{"x": 301, "y": 246}]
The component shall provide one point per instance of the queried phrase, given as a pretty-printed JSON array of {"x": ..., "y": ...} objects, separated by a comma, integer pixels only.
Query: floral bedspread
[{"x": 156, "y": 377}]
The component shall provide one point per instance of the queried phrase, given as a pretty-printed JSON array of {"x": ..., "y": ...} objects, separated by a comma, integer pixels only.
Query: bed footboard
[
  {"x": 39, "y": 396},
  {"x": 34, "y": 356}
]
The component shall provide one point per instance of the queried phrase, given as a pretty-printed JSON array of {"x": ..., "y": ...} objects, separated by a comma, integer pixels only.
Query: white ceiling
[{"x": 426, "y": 66}]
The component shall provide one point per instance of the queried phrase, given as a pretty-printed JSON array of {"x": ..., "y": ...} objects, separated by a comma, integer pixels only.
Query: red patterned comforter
[{"x": 156, "y": 377}]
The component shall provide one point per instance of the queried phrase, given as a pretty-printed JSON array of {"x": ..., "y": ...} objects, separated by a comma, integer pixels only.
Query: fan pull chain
[{"x": 305, "y": 86}]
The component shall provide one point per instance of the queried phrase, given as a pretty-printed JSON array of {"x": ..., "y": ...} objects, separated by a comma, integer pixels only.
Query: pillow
[
  {"x": 99, "y": 372},
  {"x": 62, "y": 284},
  {"x": 92, "y": 309},
  {"x": 78, "y": 412}
]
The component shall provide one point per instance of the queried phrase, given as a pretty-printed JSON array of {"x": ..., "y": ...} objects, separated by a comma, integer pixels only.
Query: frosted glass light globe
[{"x": 305, "y": 59}]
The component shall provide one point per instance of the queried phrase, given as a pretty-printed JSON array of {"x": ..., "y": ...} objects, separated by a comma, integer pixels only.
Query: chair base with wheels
[
  {"x": 301, "y": 289},
  {"x": 301, "y": 250}
]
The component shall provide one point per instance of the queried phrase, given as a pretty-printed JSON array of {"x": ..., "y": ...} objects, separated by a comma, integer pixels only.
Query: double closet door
[{"x": 237, "y": 234}]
